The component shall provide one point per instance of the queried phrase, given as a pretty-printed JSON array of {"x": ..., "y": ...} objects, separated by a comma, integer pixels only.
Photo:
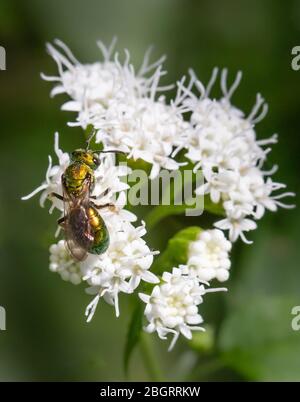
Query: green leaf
[
  {"x": 134, "y": 334},
  {"x": 176, "y": 252},
  {"x": 258, "y": 341}
]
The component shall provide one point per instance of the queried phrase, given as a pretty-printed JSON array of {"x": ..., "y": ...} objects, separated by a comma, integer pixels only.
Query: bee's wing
[{"x": 77, "y": 251}]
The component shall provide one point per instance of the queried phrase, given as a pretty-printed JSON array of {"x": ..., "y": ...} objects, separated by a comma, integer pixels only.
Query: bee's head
[{"x": 88, "y": 157}]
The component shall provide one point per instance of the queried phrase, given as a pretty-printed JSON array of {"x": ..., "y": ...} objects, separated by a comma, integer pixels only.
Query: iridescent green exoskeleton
[{"x": 85, "y": 229}]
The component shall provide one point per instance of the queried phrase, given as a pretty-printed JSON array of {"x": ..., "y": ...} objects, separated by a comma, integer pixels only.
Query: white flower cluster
[
  {"x": 121, "y": 268},
  {"x": 123, "y": 107},
  {"x": 128, "y": 258},
  {"x": 120, "y": 104},
  {"x": 62, "y": 263},
  {"x": 144, "y": 128},
  {"x": 126, "y": 112},
  {"x": 208, "y": 256},
  {"x": 223, "y": 144},
  {"x": 172, "y": 306}
]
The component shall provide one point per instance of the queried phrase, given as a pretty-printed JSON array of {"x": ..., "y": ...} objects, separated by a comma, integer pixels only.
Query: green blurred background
[{"x": 47, "y": 337}]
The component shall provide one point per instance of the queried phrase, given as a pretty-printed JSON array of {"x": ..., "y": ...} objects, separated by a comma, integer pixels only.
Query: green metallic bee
[{"x": 84, "y": 228}]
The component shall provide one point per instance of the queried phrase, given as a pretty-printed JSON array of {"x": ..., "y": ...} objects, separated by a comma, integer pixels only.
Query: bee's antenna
[
  {"x": 91, "y": 136},
  {"x": 113, "y": 151}
]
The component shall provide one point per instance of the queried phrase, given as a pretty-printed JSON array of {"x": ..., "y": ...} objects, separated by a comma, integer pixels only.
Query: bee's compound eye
[{"x": 96, "y": 161}]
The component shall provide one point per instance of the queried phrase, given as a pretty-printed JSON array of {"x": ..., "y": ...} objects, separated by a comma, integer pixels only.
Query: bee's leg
[
  {"x": 112, "y": 207},
  {"x": 93, "y": 197},
  {"x": 61, "y": 221},
  {"x": 60, "y": 197}
]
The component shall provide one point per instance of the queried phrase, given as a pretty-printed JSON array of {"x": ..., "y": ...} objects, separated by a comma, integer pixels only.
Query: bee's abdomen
[{"x": 100, "y": 232}]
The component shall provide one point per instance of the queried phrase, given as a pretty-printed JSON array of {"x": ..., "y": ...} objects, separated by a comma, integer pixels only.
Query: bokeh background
[{"x": 47, "y": 337}]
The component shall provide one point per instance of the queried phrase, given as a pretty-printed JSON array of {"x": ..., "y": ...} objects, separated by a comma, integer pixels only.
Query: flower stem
[{"x": 150, "y": 360}]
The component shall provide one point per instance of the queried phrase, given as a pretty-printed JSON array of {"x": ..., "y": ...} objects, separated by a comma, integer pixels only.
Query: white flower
[
  {"x": 121, "y": 105},
  {"x": 144, "y": 128},
  {"x": 223, "y": 144},
  {"x": 121, "y": 268},
  {"x": 208, "y": 256},
  {"x": 172, "y": 306},
  {"x": 92, "y": 86},
  {"x": 236, "y": 227},
  {"x": 62, "y": 263}
]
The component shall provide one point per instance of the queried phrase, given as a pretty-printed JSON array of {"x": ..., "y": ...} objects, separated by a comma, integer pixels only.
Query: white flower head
[
  {"x": 223, "y": 144},
  {"x": 92, "y": 86},
  {"x": 62, "y": 263},
  {"x": 172, "y": 306},
  {"x": 237, "y": 227},
  {"x": 121, "y": 104},
  {"x": 208, "y": 256},
  {"x": 121, "y": 268},
  {"x": 144, "y": 128}
]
